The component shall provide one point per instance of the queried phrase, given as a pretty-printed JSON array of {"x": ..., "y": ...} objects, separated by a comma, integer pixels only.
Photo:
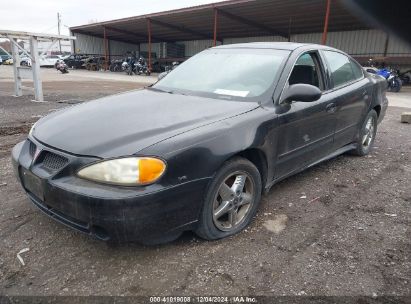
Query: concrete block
[{"x": 406, "y": 117}]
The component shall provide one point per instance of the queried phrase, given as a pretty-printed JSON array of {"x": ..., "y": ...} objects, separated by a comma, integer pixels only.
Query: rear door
[
  {"x": 352, "y": 91},
  {"x": 306, "y": 129}
]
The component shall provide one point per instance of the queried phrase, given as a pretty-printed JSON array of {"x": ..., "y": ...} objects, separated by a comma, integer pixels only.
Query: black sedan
[{"x": 196, "y": 150}]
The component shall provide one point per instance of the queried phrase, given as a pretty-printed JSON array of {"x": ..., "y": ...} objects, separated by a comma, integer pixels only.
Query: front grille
[
  {"x": 32, "y": 149},
  {"x": 53, "y": 161}
]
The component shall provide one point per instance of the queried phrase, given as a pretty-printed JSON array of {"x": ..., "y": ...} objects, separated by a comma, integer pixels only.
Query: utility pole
[{"x": 58, "y": 28}]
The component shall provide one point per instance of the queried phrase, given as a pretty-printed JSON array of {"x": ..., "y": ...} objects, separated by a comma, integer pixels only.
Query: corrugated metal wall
[
  {"x": 254, "y": 39},
  {"x": 194, "y": 46},
  {"x": 86, "y": 44},
  {"x": 155, "y": 48},
  {"x": 398, "y": 47},
  {"x": 363, "y": 42}
]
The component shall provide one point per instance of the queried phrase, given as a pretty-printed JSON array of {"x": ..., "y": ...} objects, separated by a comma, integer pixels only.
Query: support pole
[
  {"x": 215, "y": 26},
  {"x": 149, "y": 42},
  {"x": 105, "y": 49},
  {"x": 387, "y": 40},
  {"x": 35, "y": 66},
  {"x": 327, "y": 15},
  {"x": 16, "y": 64},
  {"x": 58, "y": 28}
]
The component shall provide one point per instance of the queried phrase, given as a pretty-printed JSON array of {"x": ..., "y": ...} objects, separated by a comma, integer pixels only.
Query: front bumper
[{"x": 145, "y": 214}]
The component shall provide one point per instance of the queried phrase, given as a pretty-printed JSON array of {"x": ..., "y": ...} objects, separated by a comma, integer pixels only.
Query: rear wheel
[
  {"x": 231, "y": 201},
  {"x": 366, "y": 135}
]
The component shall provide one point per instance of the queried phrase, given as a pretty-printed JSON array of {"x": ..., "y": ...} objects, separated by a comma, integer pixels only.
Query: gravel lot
[{"x": 340, "y": 228}]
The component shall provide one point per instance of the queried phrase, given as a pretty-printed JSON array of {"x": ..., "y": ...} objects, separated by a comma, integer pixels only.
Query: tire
[
  {"x": 368, "y": 128},
  {"x": 234, "y": 213},
  {"x": 398, "y": 84}
]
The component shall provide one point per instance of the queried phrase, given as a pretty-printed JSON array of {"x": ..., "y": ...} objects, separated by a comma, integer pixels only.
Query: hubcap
[
  {"x": 233, "y": 201},
  {"x": 368, "y": 133}
]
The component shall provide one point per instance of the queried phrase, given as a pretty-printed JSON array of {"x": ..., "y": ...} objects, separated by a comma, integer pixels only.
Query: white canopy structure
[{"x": 32, "y": 72}]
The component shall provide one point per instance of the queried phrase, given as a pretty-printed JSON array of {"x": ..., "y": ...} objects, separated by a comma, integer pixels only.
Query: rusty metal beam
[
  {"x": 102, "y": 36},
  {"x": 327, "y": 16},
  {"x": 180, "y": 28},
  {"x": 137, "y": 35},
  {"x": 149, "y": 42},
  {"x": 215, "y": 26},
  {"x": 105, "y": 49},
  {"x": 252, "y": 23}
]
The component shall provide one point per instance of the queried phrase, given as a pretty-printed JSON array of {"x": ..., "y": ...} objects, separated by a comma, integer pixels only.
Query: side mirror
[
  {"x": 162, "y": 75},
  {"x": 301, "y": 92}
]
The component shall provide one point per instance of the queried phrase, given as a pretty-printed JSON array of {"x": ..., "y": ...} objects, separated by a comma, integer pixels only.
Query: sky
[{"x": 41, "y": 15}]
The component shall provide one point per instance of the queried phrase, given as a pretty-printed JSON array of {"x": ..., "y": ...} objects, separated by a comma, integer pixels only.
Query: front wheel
[
  {"x": 232, "y": 200},
  {"x": 396, "y": 85},
  {"x": 366, "y": 135}
]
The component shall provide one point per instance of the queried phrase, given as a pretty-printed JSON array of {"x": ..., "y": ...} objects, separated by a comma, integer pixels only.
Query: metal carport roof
[{"x": 235, "y": 18}]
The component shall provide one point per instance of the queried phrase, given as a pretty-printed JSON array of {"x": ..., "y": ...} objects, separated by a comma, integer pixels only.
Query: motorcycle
[
  {"x": 61, "y": 66},
  {"x": 116, "y": 65},
  {"x": 394, "y": 82},
  {"x": 141, "y": 67},
  {"x": 128, "y": 66},
  {"x": 405, "y": 77}
]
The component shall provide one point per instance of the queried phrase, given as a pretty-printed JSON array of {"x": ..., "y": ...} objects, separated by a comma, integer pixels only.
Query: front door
[{"x": 306, "y": 129}]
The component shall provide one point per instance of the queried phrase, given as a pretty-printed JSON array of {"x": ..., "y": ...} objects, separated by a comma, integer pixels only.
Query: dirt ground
[{"x": 340, "y": 228}]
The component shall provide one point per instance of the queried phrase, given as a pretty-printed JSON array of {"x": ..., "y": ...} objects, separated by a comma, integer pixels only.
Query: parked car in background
[
  {"x": 76, "y": 61},
  {"x": 196, "y": 150},
  {"x": 49, "y": 60},
  {"x": 8, "y": 61},
  {"x": 1, "y": 60},
  {"x": 5, "y": 57},
  {"x": 25, "y": 61}
]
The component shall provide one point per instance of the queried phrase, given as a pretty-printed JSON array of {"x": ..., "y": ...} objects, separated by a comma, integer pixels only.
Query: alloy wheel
[
  {"x": 368, "y": 132},
  {"x": 233, "y": 201}
]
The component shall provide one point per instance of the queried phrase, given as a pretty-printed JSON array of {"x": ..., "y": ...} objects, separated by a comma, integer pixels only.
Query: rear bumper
[{"x": 113, "y": 213}]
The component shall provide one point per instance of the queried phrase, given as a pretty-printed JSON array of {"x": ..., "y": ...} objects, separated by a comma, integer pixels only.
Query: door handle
[
  {"x": 331, "y": 107},
  {"x": 365, "y": 94}
]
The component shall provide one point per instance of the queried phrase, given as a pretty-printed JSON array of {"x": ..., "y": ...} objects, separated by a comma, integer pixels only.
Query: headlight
[
  {"x": 130, "y": 171},
  {"x": 32, "y": 128}
]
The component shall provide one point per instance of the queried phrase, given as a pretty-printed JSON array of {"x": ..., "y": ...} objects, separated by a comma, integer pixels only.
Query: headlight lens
[
  {"x": 31, "y": 129},
  {"x": 130, "y": 171}
]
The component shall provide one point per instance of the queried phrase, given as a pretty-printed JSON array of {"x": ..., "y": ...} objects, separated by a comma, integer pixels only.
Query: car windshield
[{"x": 226, "y": 73}]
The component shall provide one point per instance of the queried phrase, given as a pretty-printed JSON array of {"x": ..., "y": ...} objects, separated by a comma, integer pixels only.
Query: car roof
[{"x": 291, "y": 46}]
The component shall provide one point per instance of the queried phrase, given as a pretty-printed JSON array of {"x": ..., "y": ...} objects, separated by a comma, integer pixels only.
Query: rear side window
[
  {"x": 358, "y": 74},
  {"x": 340, "y": 67}
]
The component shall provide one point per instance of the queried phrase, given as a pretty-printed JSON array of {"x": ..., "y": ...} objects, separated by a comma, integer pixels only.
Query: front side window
[
  {"x": 340, "y": 67},
  {"x": 307, "y": 70},
  {"x": 227, "y": 73}
]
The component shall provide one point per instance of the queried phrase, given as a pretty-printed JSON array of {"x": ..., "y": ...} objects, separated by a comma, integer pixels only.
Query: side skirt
[{"x": 329, "y": 156}]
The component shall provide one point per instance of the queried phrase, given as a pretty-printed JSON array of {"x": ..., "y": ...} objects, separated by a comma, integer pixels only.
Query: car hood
[{"x": 126, "y": 123}]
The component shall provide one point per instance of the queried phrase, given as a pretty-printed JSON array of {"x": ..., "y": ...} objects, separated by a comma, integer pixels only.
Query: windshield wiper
[
  {"x": 167, "y": 91},
  {"x": 160, "y": 90}
]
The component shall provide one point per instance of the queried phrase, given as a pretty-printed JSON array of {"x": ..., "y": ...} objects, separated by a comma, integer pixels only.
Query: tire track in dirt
[{"x": 327, "y": 223}]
